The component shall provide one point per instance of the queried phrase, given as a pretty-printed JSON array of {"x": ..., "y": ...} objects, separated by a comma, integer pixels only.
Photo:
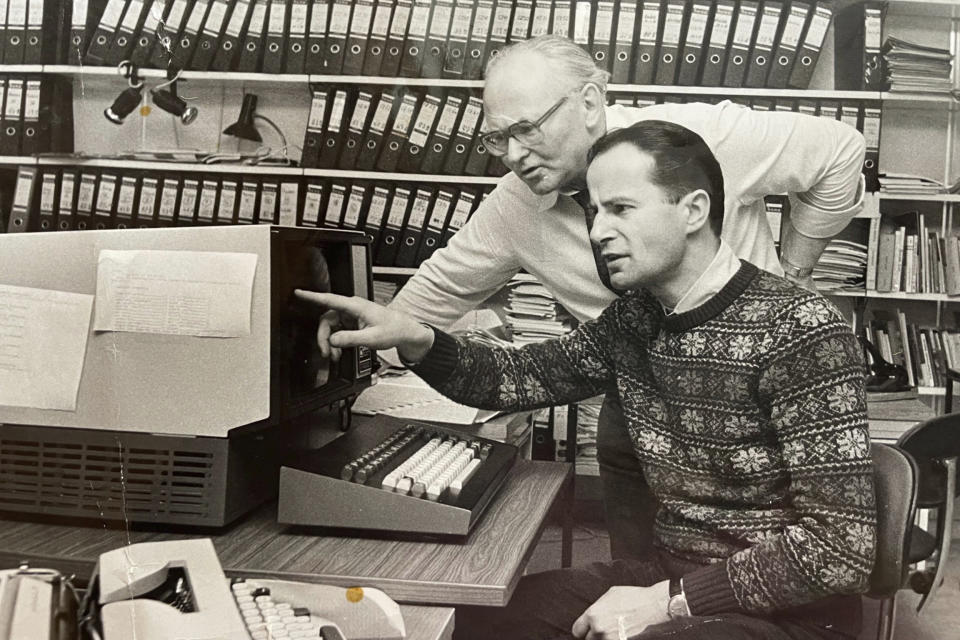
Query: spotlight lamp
[
  {"x": 169, "y": 101},
  {"x": 124, "y": 104},
  {"x": 245, "y": 127}
]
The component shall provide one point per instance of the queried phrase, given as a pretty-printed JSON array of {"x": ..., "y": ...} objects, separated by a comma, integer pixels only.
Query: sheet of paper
[
  {"x": 43, "y": 338},
  {"x": 184, "y": 293},
  {"x": 408, "y": 396}
]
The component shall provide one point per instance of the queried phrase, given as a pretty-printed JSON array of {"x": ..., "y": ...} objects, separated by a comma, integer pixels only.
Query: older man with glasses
[{"x": 545, "y": 105}]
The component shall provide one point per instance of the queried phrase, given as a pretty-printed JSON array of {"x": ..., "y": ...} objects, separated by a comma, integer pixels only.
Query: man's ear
[
  {"x": 697, "y": 206},
  {"x": 593, "y": 102}
]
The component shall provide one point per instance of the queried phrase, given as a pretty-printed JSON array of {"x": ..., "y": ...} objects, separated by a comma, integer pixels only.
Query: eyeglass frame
[{"x": 537, "y": 124}]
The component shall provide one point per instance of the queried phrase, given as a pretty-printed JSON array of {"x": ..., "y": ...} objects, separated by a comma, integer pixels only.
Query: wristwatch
[
  {"x": 793, "y": 271},
  {"x": 677, "y": 605}
]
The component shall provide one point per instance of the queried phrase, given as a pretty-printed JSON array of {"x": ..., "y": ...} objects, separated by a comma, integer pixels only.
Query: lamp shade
[{"x": 244, "y": 127}]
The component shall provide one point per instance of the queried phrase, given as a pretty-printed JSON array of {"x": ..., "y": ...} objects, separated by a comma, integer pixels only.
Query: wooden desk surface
[{"x": 482, "y": 571}]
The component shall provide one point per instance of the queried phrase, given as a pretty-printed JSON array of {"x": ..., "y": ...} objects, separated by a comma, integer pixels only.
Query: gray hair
[{"x": 571, "y": 60}]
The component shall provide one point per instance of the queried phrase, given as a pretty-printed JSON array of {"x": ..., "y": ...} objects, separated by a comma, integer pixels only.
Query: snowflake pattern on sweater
[{"x": 748, "y": 415}]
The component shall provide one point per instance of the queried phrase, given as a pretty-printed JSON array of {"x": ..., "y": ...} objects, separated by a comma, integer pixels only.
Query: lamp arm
[{"x": 274, "y": 126}]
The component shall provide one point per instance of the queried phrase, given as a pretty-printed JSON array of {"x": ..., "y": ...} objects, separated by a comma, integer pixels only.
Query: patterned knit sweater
[{"x": 748, "y": 415}]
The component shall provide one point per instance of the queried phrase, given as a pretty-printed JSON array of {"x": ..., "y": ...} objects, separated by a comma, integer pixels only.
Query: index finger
[{"x": 330, "y": 301}]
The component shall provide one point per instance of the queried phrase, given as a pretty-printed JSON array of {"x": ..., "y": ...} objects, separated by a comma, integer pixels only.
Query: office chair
[
  {"x": 895, "y": 477},
  {"x": 935, "y": 446}
]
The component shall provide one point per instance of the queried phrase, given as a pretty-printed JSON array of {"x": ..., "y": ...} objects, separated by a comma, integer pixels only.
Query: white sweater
[{"x": 815, "y": 160}]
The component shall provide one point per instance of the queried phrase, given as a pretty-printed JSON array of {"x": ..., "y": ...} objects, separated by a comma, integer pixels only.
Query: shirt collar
[{"x": 715, "y": 277}]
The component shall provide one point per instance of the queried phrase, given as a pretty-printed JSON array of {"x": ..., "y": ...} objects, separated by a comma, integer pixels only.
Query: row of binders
[
  {"x": 35, "y": 114},
  {"x": 906, "y": 255},
  {"x": 400, "y": 130},
  {"x": 925, "y": 352},
  {"x": 408, "y": 222},
  {"x": 690, "y": 42}
]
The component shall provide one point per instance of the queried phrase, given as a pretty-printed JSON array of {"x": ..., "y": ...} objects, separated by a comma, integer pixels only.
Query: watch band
[
  {"x": 676, "y": 587},
  {"x": 794, "y": 271}
]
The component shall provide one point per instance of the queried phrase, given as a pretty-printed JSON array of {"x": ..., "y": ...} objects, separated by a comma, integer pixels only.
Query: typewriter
[{"x": 392, "y": 476}]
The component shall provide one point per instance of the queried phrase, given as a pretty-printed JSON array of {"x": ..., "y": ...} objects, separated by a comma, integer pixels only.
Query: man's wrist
[
  {"x": 677, "y": 606},
  {"x": 794, "y": 271},
  {"x": 417, "y": 348}
]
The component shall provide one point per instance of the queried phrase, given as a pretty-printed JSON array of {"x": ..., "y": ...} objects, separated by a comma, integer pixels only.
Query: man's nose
[
  {"x": 515, "y": 150},
  {"x": 600, "y": 231}
]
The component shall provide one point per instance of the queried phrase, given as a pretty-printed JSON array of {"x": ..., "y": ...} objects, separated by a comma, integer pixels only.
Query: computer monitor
[{"x": 182, "y": 429}]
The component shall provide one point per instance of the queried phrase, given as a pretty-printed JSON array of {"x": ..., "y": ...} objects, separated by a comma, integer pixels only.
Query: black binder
[
  {"x": 540, "y": 23},
  {"x": 439, "y": 141},
  {"x": 333, "y": 132},
  {"x": 147, "y": 37},
  {"x": 721, "y": 28},
  {"x": 336, "y": 40},
  {"x": 23, "y": 195},
  {"x": 463, "y": 139},
  {"x": 560, "y": 23},
  {"x": 45, "y": 32},
  {"x": 477, "y": 159},
  {"x": 336, "y": 203},
  {"x": 274, "y": 43},
  {"x": 12, "y": 133},
  {"x": 169, "y": 199},
  {"x": 97, "y": 53},
  {"x": 105, "y": 201},
  {"x": 207, "y": 201},
  {"x": 459, "y": 216},
  {"x": 669, "y": 53},
  {"x": 81, "y": 31},
  {"x": 409, "y": 243},
  {"x": 871, "y": 134},
  {"x": 453, "y": 63},
  {"x": 377, "y": 42},
  {"x": 373, "y": 137},
  {"x": 476, "y": 51},
  {"x": 499, "y": 29},
  {"x": 47, "y": 210},
  {"x": 390, "y": 65},
  {"x": 435, "y": 47},
  {"x": 267, "y": 206},
  {"x": 356, "y": 205},
  {"x": 356, "y": 128},
  {"x": 125, "y": 36},
  {"x": 812, "y": 43},
  {"x": 520, "y": 25},
  {"x": 373, "y": 223},
  {"x": 357, "y": 37},
  {"x": 433, "y": 230},
  {"x": 386, "y": 253},
  {"x": 251, "y": 51},
  {"x": 601, "y": 43},
  {"x": 297, "y": 37},
  {"x": 190, "y": 34},
  {"x": 645, "y": 53},
  {"x": 67, "y": 200},
  {"x": 415, "y": 40},
  {"x": 312, "y": 203},
  {"x": 761, "y": 55},
  {"x": 622, "y": 62},
  {"x": 229, "y": 48},
  {"x": 739, "y": 54},
  {"x": 316, "y": 37},
  {"x": 691, "y": 53},
  {"x": 189, "y": 199},
  {"x": 402, "y": 123},
  {"x": 313, "y": 138},
  {"x": 289, "y": 201},
  {"x": 168, "y": 33},
  {"x": 208, "y": 41},
  {"x": 126, "y": 199},
  {"x": 786, "y": 50},
  {"x": 147, "y": 201},
  {"x": 857, "y": 64},
  {"x": 35, "y": 138},
  {"x": 248, "y": 201},
  {"x": 412, "y": 155}
]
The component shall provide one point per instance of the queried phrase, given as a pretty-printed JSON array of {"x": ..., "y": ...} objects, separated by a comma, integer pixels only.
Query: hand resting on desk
[{"x": 355, "y": 321}]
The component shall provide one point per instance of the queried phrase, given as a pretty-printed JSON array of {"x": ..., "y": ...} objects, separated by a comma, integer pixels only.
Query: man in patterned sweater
[{"x": 743, "y": 394}]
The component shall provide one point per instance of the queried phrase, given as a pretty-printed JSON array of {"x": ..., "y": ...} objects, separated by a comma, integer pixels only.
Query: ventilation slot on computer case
[{"x": 102, "y": 481}]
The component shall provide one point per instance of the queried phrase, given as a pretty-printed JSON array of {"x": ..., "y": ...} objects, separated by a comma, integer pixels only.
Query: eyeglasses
[{"x": 526, "y": 133}]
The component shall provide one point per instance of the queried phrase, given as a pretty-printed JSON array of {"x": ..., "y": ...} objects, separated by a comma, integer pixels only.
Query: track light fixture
[
  {"x": 129, "y": 98},
  {"x": 169, "y": 101}
]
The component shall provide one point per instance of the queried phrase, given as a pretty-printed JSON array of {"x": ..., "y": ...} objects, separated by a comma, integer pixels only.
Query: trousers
[
  {"x": 628, "y": 503},
  {"x": 545, "y": 606}
]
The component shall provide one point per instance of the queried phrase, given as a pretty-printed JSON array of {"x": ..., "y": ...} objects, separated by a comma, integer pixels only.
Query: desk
[{"x": 482, "y": 571}]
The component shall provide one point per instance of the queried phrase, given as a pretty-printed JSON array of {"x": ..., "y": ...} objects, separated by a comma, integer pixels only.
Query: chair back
[
  {"x": 895, "y": 477},
  {"x": 930, "y": 443}
]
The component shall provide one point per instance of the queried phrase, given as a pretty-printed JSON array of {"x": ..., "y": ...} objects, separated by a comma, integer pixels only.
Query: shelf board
[
  {"x": 121, "y": 163},
  {"x": 397, "y": 81},
  {"x": 760, "y": 93},
  {"x": 931, "y": 197},
  {"x": 899, "y": 295},
  {"x": 406, "y": 177},
  {"x": 210, "y": 76},
  {"x": 28, "y": 160},
  {"x": 394, "y": 271}
]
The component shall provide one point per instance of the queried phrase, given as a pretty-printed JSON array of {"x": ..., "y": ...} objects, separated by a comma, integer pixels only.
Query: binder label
[
  {"x": 228, "y": 198},
  {"x": 66, "y": 192},
  {"x": 236, "y": 18},
  {"x": 35, "y": 13},
  {"x": 722, "y": 19},
  {"x": 268, "y": 203},
  {"x": 561, "y": 18},
  {"x": 78, "y": 17},
  {"x": 311, "y": 204},
  {"x": 461, "y": 212},
  {"x": 318, "y": 109},
  {"x": 440, "y": 23},
  {"x": 218, "y": 12},
  {"x": 481, "y": 20},
  {"x": 360, "y": 25},
  {"x": 339, "y": 19},
  {"x": 278, "y": 18},
  {"x": 401, "y": 14},
  {"x": 130, "y": 18},
  {"x": 380, "y": 115},
  {"x": 381, "y": 21},
  {"x": 360, "y": 112},
  {"x": 541, "y": 18},
  {"x": 418, "y": 213},
  {"x": 14, "y": 98},
  {"x": 109, "y": 20},
  {"x": 768, "y": 27},
  {"x": 872, "y": 26},
  {"x": 698, "y": 23},
  {"x": 31, "y": 106},
  {"x": 378, "y": 204},
  {"x": 521, "y": 21},
  {"x": 581, "y": 23},
  {"x": 439, "y": 214},
  {"x": 175, "y": 16},
  {"x": 148, "y": 193},
  {"x": 460, "y": 27},
  {"x": 793, "y": 28},
  {"x": 288, "y": 203},
  {"x": 448, "y": 117},
  {"x": 871, "y": 128},
  {"x": 626, "y": 22},
  {"x": 501, "y": 22},
  {"x": 604, "y": 27},
  {"x": 354, "y": 206},
  {"x": 421, "y": 129},
  {"x": 108, "y": 185},
  {"x": 128, "y": 187},
  {"x": 208, "y": 198},
  {"x": 196, "y": 16},
  {"x": 334, "y": 206},
  {"x": 188, "y": 198},
  {"x": 817, "y": 30},
  {"x": 298, "y": 19},
  {"x": 649, "y": 23},
  {"x": 418, "y": 20},
  {"x": 154, "y": 13},
  {"x": 336, "y": 115},
  {"x": 21, "y": 194},
  {"x": 256, "y": 19},
  {"x": 397, "y": 208},
  {"x": 404, "y": 115},
  {"x": 47, "y": 190},
  {"x": 471, "y": 117},
  {"x": 318, "y": 19},
  {"x": 248, "y": 199},
  {"x": 672, "y": 24},
  {"x": 168, "y": 200},
  {"x": 744, "y": 30}
]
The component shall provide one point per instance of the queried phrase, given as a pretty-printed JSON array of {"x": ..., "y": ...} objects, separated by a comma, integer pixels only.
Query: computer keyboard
[{"x": 268, "y": 619}]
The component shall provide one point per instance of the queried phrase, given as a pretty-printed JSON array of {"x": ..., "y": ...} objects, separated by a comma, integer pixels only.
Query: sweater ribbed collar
[{"x": 680, "y": 322}]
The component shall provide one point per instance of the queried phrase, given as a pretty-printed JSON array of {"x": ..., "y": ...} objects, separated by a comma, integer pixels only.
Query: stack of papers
[
  {"x": 912, "y": 67},
  {"x": 533, "y": 314},
  {"x": 842, "y": 265},
  {"x": 904, "y": 183},
  {"x": 403, "y": 394}
]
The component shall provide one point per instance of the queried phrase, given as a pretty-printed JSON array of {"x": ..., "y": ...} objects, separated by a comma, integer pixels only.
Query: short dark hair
[{"x": 682, "y": 161}]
